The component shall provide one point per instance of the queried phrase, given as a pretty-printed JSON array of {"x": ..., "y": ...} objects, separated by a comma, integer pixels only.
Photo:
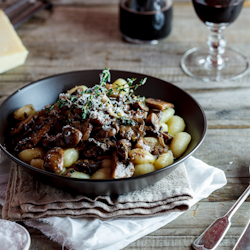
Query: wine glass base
[
  {"x": 195, "y": 64},
  {"x": 139, "y": 41}
]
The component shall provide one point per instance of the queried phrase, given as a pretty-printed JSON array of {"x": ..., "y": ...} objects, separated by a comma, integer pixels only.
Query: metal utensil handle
[
  {"x": 214, "y": 234},
  {"x": 238, "y": 203}
]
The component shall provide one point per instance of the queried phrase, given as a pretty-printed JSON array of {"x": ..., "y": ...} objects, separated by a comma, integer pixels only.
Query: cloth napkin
[
  {"x": 28, "y": 198},
  {"x": 93, "y": 233}
]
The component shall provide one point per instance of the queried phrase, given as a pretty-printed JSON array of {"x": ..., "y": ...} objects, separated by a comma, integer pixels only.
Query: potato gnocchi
[{"x": 100, "y": 132}]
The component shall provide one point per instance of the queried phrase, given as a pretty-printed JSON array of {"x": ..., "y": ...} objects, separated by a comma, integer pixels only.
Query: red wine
[
  {"x": 136, "y": 22},
  {"x": 218, "y": 11}
]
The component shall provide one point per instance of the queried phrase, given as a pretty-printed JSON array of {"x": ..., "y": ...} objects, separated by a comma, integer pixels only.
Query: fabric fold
[{"x": 28, "y": 198}]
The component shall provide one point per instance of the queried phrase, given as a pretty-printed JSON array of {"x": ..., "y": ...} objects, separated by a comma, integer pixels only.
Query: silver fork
[{"x": 214, "y": 234}]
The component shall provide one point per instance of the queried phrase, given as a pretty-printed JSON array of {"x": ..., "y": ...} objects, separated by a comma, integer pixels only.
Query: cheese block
[{"x": 12, "y": 51}]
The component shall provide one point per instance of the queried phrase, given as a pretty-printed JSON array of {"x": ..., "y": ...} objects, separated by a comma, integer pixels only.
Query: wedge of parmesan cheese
[{"x": 12, "y": 51}]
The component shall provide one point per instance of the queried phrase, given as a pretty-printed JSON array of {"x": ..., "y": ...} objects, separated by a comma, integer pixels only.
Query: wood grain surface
[{"x": 84, "y": 34}]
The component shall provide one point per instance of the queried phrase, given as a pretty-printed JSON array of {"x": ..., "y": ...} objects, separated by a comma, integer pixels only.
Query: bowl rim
[{"x": 179, "y": 161}]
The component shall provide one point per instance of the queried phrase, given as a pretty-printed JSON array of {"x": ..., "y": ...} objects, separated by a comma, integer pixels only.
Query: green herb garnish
[
  {"x": 47, "y": 110},
  {"x": 126, "y": 121},
  {"x": 61, "y": 103}
]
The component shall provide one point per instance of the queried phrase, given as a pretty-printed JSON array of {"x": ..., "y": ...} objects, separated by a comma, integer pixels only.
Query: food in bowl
[{"x": 101, "y": 132}]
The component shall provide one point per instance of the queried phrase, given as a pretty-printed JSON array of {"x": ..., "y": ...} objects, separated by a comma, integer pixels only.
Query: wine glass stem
[{"x": 216, "y": 45}]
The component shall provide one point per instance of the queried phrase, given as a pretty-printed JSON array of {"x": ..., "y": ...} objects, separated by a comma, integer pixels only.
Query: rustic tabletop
[{"x": 84, "y": 34}]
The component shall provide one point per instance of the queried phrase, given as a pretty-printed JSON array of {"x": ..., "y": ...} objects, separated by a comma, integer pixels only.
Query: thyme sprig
[
  {"x": 104, "y": 77},
  {"x": 61, "y": 103},
  {"x": 130, "y": 85},
  {"x": 85, "y": 108},
  {"x": 142, "y": 82}
]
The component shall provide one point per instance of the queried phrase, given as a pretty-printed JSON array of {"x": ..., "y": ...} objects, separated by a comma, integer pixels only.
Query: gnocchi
[
  {"x": 141, "y": 156},
  {"x": 71, "y": 155},
  {"x": 102, "y": 173},
  {"x": 79, "y": 175},
  {"x": 164, "y": 160},
  {"x": 180, "y": 143},
  {"x": 37, "y": 163},
  {"x": 106, "y": 163},
  {"x": 176, "y": 124},
  {"x": 81, "y": 88},
  {"x": 23, "y": 112},
  {"x": 164, "y": 126},
  {"x": 29, "y": 154},
  {"x": 120, "y": 85},
  {"x": 167, "y": 114},
  {"x": 144, "y": 168},
  {"x": 152, "y": 140}
]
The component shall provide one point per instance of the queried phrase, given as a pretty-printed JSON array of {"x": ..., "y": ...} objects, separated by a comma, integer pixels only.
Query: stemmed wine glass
[{"x": 216, "y": 63}]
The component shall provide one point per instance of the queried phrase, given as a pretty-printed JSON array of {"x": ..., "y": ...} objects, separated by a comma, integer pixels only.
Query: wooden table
[{"x": 84, "y": 34}]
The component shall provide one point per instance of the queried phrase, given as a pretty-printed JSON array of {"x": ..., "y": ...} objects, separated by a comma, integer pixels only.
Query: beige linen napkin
[{"x": 29, "y": 199}]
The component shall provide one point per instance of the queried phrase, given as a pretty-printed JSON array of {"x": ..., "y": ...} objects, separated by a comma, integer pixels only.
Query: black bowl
[{"x": 46, "y": 91}]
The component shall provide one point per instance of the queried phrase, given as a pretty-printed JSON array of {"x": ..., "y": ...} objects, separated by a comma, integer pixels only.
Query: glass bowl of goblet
[{"x": 216, "y": 62}]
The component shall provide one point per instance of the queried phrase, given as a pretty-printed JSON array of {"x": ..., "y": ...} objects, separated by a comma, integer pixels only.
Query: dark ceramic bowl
[{"x": 46, "y": 91}]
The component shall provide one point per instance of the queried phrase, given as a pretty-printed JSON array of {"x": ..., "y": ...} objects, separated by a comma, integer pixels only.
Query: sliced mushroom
[
  {"x": 159, "y": 150},
  {"x": 50, "y": 141},
  {"x": 121, "y": 169},
  {"x": 86, "y": 130},
  {"x": 138, "y": 113},
  {"x": 127, "y": 132},
  {"x": 87, "y": 166},
  {"x": 40, "y": 129},
  {"x": 116, "y": 126},
  {"x": 157, "y": 112},
  {"x": 167, "y": 137},
  {"x": 158, "y": 104},
  {"x": 122, "y": 148},
  {"x": 23, "y": 125},
  {"x": 92, "y": 152},
  {"x": 100, "y": 118},
  {"x": 106, "y": 132},
  {"x": 153, "y": 119},
  {"x": 101, "y": 144},
  {"x": 54, "y": 160},
  {"x": 161, "y": 141},
  {"x": 140, "y": 105},
  {"x": 72, "y": 136}
]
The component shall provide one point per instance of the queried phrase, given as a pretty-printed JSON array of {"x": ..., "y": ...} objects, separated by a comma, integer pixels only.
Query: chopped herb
[
  {"x": 97, "y": 91},
  {"x": 84, "y": 115},
  {"x": 47, "y": 110},
  {"x": 72, "y": 98},
  {"x": 126, "y": 121},
  {"x": 61, "y": 103},
  {"x": 110, "y": 92}
]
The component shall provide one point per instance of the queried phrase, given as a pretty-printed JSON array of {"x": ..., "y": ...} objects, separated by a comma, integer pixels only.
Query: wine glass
[
  {"x": 145, "y": 21},
  {"x": 215, "y": 63}
]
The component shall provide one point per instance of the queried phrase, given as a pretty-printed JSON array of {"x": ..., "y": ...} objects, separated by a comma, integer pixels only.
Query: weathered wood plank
[
  {"x": 175, "y": 243},
  {"x": 175, "y": 235},
  {"x": 84, "y": 34},
  {"x": 56, "y": 48}
]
